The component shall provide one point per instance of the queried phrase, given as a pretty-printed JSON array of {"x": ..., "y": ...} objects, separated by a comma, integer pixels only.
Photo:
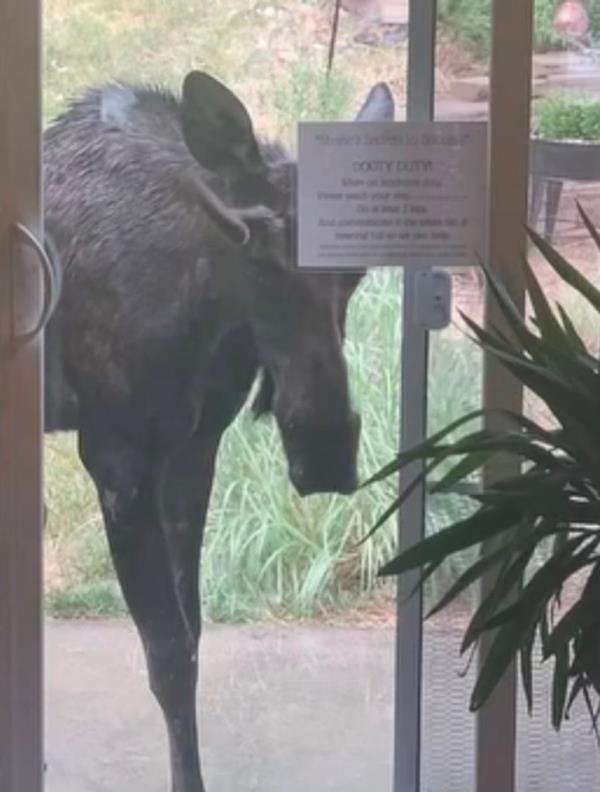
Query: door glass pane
[
  {"x": 565, "y": 168},
  {"x": 565, "y": 80},
  {"x": 455, "y": 383},
  {"x": 154, "y": 348}
]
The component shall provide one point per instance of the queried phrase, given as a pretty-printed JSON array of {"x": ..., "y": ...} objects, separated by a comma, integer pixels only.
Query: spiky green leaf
[{"x": 480, "y": 526}]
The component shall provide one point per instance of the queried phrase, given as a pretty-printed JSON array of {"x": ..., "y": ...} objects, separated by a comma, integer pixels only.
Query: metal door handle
[{"x": 50, "y": 281}]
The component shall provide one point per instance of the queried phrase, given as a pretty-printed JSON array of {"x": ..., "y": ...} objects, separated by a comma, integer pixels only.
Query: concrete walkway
[
  {"x": 468, "y": 95},
  {"x": 283, "y": 709}
]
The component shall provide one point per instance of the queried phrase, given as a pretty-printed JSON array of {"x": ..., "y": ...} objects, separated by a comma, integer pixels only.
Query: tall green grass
[{"x": 267, "y": 551}]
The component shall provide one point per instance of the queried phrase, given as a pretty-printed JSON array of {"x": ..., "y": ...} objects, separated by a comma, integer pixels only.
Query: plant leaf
[
  {"x": 525, "y": 663},
  {"x": 576, "y": 339},
  {"x": 512, "y": 314},
  {"x": 502, "y": 652},
  {"x": 528, "y": 609},
  {"x": 534, "y": 595},
  {"x": 419, "y": 451},
  {"x": 480, "y": 526},
  {"x": 593, "y": 231},
  {"x": 462, "y": 470},
  {"x": 544, "y": 630},
  {"x": 546, "y": 321},
  {"x": 473, "y": 573},
  {"x": 508, "y": 579},
  {"x": 566, "y": 271},
  {"x": 577, "y": 687},
  {"x": 560, "y": 681},
  {"x": 399, "y": 501},
  {"x": 583, "y": 614}
]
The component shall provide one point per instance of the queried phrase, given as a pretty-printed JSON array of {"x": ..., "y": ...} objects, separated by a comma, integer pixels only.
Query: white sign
[{"x": 397, "y": 194}]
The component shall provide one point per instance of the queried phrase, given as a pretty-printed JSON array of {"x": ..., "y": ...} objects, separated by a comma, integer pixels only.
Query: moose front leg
[{"x": 154, "y": 525}]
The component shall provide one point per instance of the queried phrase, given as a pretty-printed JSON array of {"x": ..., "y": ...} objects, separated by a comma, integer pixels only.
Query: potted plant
[
  {"x": 565, "y": 146},
  {"x": 552, "y": 504}
]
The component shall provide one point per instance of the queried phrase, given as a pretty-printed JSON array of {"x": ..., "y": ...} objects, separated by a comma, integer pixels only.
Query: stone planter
[{"x": 552, "y": 162}]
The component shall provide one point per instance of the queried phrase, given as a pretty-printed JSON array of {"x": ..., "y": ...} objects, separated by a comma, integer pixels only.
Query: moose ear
[
  {"x": 217, "y": 128},
  {"x": 378, "y": 106}
]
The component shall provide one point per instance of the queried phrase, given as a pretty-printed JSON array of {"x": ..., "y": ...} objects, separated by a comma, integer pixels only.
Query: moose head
[{"x": 296, "y": 319}]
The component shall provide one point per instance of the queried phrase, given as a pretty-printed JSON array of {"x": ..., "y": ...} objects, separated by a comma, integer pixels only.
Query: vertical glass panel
[
  {"x": 165, "y": 322},
  {"x": 565, "y": 168},
  {"x": 448, "y": 729}
]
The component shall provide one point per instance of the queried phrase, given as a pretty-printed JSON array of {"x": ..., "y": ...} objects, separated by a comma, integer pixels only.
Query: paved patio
[{"x": 283, "y": 709}]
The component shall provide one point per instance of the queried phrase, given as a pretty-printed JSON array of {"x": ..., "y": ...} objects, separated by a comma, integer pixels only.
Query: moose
[{"x": 176, "y": 226}]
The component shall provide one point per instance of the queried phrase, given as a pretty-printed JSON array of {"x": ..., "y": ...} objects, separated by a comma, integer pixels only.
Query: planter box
[
  {"x": 553, "y": 162},
  {"x": 566, "y": 160}
]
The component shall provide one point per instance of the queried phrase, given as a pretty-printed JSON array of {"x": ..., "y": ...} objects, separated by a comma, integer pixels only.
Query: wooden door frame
[{"x": 508, "y": 177}]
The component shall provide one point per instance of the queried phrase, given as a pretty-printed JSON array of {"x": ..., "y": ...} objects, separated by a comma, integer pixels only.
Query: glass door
[
  {"x": 296, "y": 657},
  {"x": 565, "y": 170}
]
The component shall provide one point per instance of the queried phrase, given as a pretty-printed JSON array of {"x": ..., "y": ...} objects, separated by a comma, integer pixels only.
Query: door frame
[{"x": 21, "y": 430}]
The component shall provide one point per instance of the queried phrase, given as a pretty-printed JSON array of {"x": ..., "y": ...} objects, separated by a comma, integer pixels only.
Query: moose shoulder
[{"x": 176, "y": 224}]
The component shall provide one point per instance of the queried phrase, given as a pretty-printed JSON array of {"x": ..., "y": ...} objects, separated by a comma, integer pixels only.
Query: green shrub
[
  {"x": 545, "y": 36},
  {"x": 470, "y": 21},
  {"x": 567, "y": 117}
]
